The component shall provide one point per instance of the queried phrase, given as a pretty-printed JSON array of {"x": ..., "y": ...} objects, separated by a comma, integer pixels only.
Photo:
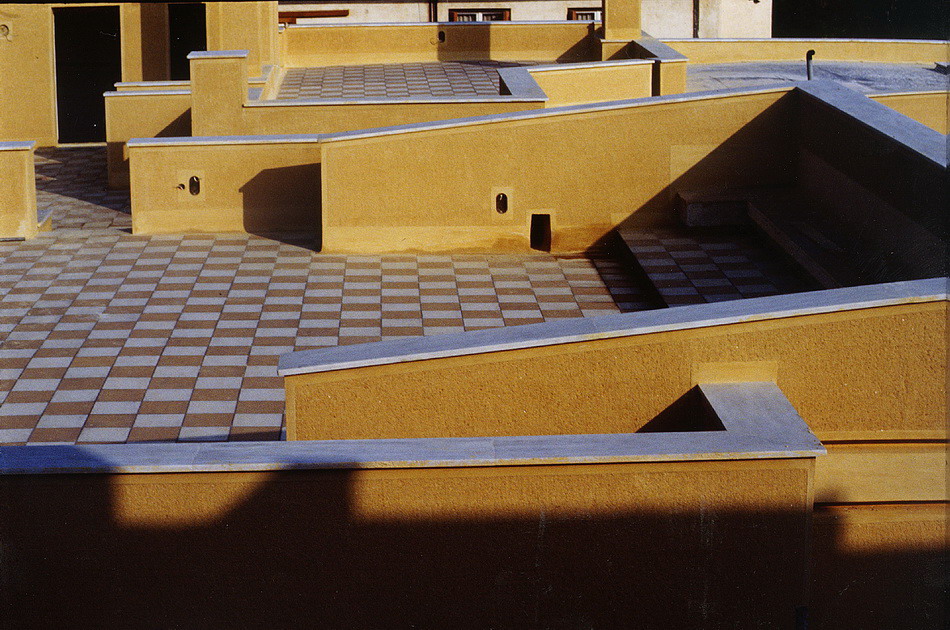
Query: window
[
  {"x": 585, "y": 15},
  {"x": 478, "y": 15}
]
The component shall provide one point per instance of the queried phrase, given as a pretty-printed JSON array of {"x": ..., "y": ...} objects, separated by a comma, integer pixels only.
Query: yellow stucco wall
[
  {"x": 141, "y": 115},
  {"x": 589, "y": 170},
  {"x": 28, "y": 84},
  {"x": 348, "y": 45},
  {"x": 929, "y": 108},
  {"x": 739, "y": 50},
  {"x": 26, "y": 68},
  {"x": 271, "y": 187},
  {"x": 574, "y": 86},
  {"x": 533, "y": 546},
  {"x": 875, "y": 374},
  {"x": 879, "y": 566},
  {"x": 18, "y": 201},
  {"x": 250, "y": 26}
]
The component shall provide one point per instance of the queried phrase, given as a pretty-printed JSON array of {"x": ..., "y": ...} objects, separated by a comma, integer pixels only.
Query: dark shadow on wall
[
  {"x": 302, "y": 549},
  {"x": 118, "y": 156},
  {"x": 285, "y": 204}
]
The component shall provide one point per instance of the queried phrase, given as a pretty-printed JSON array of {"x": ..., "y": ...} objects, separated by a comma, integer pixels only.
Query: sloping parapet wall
[
  {"x": 887, "y": 342},
  {"x": 776, "y": 49},
  {"x": 18, "y": 182},
  {"x": 434, "y": 187},
  {"x": 865, "y": 367},
  {"x": 929, "y": 108}
]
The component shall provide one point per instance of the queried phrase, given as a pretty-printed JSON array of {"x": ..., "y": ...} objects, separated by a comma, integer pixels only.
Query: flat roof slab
[{"x": 868, "y": 78}]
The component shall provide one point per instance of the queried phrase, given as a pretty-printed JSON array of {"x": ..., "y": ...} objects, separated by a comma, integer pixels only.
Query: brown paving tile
[
  {"x": 214, "y": 394},
  {"x": 54, "y": 435},
  {"x": 169, "y": 407},
  {"x": 97, "y": 420},
  {"x": 81, "y": 383},
  {"x": 18, "y": 422},
  {"x": 43, "y": 373},
  {"x": 261, "y": 434},
  {"x": 68, "y": 408},
  {"x": 260, "y": 406},
  {"x": 29, "y": 396},
  {"x": 153, "y": 434},
  {"x": 208, "y": 420},
  {"x": 116, "y": 395}
]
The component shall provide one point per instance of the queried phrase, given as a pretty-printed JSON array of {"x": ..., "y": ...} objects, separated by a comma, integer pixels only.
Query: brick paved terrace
[{"x": 110, "y": 337}]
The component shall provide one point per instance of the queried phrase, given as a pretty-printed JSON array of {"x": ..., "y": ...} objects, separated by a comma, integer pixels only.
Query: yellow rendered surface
[
  {"x": 929, "y": 108},
  {"x": 887, "y": 366}
]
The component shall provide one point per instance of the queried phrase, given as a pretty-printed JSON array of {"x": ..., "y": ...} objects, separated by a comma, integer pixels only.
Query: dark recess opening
[
  {"x": 186, "y": 33},
  {"x": 88, "y": 63},
  {"x": 887, "y": 19},
  {"x": 541, "y": 232}
]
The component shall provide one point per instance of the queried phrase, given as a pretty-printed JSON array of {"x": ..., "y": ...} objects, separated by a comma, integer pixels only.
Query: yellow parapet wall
[
  {"x": 930, "y": 108},
  {"x": 18, "y": 183},
  {"x": 269, "y": 186},
  {"x": 334, "y": 45},
  {"x": 140, "y": 114},
  {"x": 593, "y": 83},
  {"x": 868, "y": 50},
  {"x": 497, "y": 546},
  {"x": 589, "y": 170},
  {"x": 893, "y": 359}
]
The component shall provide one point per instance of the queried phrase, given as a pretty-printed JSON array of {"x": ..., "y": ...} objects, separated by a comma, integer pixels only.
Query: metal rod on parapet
[{"x": 808, "y": 57}]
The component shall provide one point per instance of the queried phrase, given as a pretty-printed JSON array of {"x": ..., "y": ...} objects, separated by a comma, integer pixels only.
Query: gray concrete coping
[
  {"x": 903, "y": 130},
  {"x": 153, "y": 84},
  {"x": 659, "y": 50},
  {"x": 554, "y": 67},
  {"x": 517, "y": 80},
  {"x": 218, "y": 54},
  {"x": 610, "y": 326},
  {"x": 758, "y": 422},
  {"x": 17, "y": 145},
  {"x": 804, "y": 39},
  {"x": 131, "y": 93},
  {"x": 564, "y": 110},
  {"x": 188, "y": 141}
]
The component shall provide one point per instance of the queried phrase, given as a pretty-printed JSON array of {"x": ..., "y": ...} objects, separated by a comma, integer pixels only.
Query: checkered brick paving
[
  {"x": 700, "y": 265},
  {"x": 109, "y": 337},
  {"x": 402, "y": 80}
]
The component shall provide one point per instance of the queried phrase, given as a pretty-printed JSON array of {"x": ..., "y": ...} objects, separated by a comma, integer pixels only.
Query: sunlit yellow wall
[
  {"x": 141, "y": 115},
  {"x": 272, "y": 187},
  {"x": 621, "y": 19},
  {"x": 525, "y": 546},
  {"x": 27, "y": 75},
  {"x": 929, "y": 108},
  {"x": 350, "y": 117},
  {"x": 349, "y": 45},
  {"x": 26, "y": 68},
  {"x": 250, "y": 26},
  {"x": 572, "y": 86},
  {"x": 892, "y": 360},
  {"x": 18, "y": 201},
  {"x": 589, "y": 170},
  {"x": 739, "y": 50}
]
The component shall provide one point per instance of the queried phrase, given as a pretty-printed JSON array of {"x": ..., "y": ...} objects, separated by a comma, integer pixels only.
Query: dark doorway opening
[
  {"x": 88, "y": 63},
  {"x": 186, "y": 33},
  {"x": 541, "y": 232}
]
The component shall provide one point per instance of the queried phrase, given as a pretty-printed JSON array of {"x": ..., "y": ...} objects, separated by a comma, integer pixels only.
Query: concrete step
[{"x": 44, "y": 219}]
